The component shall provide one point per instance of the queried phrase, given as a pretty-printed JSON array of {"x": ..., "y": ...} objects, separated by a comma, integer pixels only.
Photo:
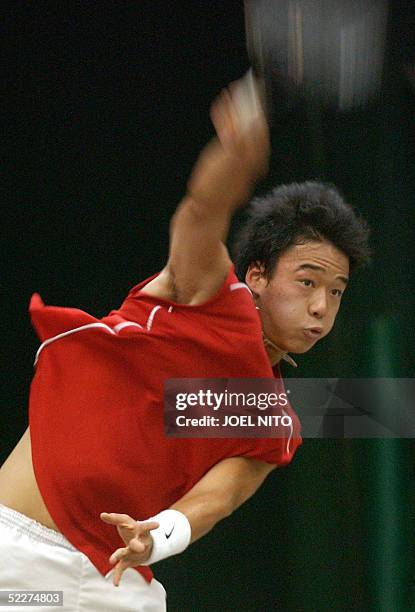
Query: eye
[
  {"x": 337, "y": 292},
  {"x": 307, "y": 282}
]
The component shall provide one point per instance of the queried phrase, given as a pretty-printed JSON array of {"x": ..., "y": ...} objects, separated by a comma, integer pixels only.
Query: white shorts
[{"x": 33, "y": 557}]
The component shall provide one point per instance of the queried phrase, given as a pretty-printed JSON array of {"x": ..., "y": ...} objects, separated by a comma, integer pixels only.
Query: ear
[{"x": 255, "y": 278}]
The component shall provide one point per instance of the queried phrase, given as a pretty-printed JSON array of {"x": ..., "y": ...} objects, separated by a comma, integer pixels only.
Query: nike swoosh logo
[{"x": 169, "y": 534}]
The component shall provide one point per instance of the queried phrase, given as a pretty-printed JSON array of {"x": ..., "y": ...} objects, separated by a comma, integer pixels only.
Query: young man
[{"x": 96, "y": 440}]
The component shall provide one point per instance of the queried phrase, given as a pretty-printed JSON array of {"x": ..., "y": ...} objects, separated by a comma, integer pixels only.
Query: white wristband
[{"x": 171, "y": 537}]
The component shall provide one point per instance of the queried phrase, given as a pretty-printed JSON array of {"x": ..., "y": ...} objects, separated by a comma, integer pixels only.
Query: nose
[{"x": 318, "y": 304}]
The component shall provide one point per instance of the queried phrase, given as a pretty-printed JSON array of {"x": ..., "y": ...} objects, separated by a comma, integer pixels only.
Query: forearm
[
  {"x": 221, "y": 491},
  {"x": 221, "y": 181},
  {"x": 217, "y": 494},
  {"x": 204, "y": 214},
  {"x": 203, "y": 511}
]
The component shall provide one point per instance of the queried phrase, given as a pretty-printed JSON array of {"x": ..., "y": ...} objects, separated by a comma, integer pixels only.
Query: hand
[
  {"x": 138, "y": 540},
  {"x": 230, "y": 165}
]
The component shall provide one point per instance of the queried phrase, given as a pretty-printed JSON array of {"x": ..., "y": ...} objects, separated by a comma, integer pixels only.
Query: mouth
[{"x": 313, "y": 332}]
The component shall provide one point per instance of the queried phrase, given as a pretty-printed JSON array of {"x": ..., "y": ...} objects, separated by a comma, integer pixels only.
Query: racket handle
[{"x": 248, "y": 98}]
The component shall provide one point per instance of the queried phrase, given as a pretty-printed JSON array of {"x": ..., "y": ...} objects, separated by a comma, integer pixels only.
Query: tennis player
[{"x": 95, "y": 493}]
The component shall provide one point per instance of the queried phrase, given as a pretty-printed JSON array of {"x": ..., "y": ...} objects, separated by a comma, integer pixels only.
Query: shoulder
[
  {"x": 164, "y": 287},
  {"x": 231, "y": 308}
]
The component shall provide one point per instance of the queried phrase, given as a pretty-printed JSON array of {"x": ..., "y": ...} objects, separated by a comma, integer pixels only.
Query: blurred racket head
[{"x": 331, "y": 51}]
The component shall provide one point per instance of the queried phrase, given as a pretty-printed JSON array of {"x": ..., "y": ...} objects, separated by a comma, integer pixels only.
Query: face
[{"x": 299, "y": 304}]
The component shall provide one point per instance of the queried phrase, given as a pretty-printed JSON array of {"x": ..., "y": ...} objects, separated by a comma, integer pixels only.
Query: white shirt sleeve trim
[
  {"x": 151, "y": 317},
  {"x": 234, "y": 286},
  {"x": 121, "y": 326},
  {"x": 291, "y": 433},
  {"x": 107, "y": 328}
]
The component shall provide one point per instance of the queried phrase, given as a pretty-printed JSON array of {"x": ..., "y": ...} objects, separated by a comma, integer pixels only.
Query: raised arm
[
  {"x": 222, "y": 180},
  {"x": 222, "y": 489}
]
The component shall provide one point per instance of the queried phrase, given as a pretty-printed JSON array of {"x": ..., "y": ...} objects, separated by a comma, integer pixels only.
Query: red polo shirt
[{"x": 96, "y": 406}]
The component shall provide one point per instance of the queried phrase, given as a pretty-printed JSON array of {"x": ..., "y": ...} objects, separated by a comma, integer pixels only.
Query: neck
[{"x": 275, "y": 353}]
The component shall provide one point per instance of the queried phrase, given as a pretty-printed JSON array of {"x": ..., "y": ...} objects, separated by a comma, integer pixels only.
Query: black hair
[{"x": 295, "y": 214}]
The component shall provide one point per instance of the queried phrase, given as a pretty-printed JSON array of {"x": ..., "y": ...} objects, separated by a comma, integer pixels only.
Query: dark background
[{"x": 105, "y": 110}]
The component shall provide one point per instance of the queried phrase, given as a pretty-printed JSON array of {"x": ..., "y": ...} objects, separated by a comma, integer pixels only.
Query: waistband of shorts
[{"x": 36, "y": 531}]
